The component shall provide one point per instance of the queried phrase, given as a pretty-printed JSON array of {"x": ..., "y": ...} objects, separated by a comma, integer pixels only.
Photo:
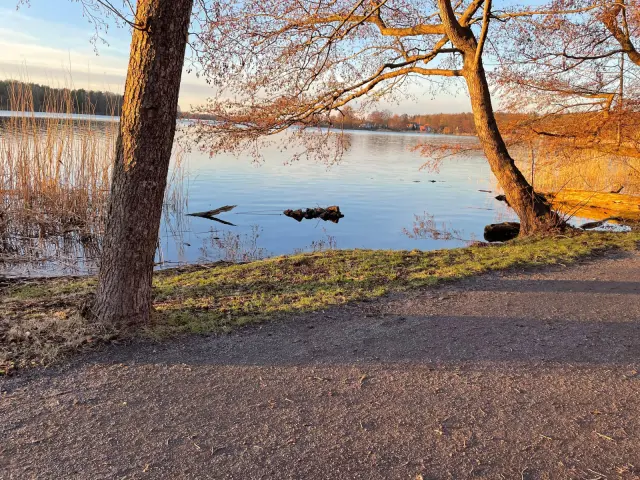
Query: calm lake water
[
  {"x": 388, "y": 202},
  {"x": 378, "y": 185}
]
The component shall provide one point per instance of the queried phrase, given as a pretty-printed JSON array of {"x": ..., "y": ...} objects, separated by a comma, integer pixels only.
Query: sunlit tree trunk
[
  {"x": 143, "y": 152},
  {"x": 533, "y": 210}
]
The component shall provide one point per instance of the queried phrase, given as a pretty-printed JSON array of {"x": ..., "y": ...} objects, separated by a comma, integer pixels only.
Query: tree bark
[
  {"x": 533, "y": 210},
  {"x": 143, "y": 153}
]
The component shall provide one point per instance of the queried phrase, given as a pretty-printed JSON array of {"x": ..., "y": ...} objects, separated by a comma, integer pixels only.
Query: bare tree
[
  {"x": 575, "y": 63},
  {"x": 147, "y": 128},
  {"x": 160, "y": 32},
  {"x": 291, "y": 62}
]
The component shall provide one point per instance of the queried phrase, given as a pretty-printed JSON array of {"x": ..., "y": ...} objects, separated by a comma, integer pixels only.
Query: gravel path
[{"x": 513, "y": 376}]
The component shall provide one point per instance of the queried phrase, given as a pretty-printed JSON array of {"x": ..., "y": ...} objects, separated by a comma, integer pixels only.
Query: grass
[
  {"x": 596, "y": 205},
  {"x": 40, "y": 320}
]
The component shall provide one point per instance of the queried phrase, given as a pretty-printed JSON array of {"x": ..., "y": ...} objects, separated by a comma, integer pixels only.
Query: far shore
[{"x": 186, "y": 116}]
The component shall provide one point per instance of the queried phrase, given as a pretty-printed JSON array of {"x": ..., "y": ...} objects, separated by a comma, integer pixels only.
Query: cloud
[
  {"x": 59, "y": 54},
  {"x": 43, "y": 51},
  {"x": 8, "y": 34}
]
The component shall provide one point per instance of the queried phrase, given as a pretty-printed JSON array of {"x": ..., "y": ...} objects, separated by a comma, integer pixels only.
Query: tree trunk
[
  {"x": 533, "y": 210},
  {"x": 143, "y": 152}
]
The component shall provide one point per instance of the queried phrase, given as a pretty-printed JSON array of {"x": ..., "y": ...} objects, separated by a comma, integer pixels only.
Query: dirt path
[{"x": 514, "y": 376}]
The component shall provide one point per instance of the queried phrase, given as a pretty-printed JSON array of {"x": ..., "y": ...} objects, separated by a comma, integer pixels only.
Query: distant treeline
[
  {"x": 196, "y": 116},
  {"x": 446, "y": 123},
  {"x": 443, "y": 123},
  {"x": 16, "y": 95}
]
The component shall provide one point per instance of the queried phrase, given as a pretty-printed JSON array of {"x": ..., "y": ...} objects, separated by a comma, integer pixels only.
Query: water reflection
[
  {"x": 239, "y": 248},
  {"x": 232, "y": 247},
  {"x": 425, "y": 227},
  {"x": 324, "y": 244}
]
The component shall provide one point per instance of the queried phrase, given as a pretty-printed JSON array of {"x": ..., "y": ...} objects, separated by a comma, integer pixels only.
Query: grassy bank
[{"x": 40, "y": 323}]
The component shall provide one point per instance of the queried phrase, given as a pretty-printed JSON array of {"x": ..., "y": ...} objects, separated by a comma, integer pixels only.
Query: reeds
[
  {"x": 55, "y": 172},
  {"x": 55, "y": 164},
  {"x": 552, "y": 169},
  {"x": 54, "y": 175}
]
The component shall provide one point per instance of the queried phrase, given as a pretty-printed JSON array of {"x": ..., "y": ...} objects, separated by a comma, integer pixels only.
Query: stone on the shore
[{"x": 501, "y": 232}]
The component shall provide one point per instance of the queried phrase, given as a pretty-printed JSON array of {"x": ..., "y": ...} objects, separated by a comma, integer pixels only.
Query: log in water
[
  {"x": 329, "y": 214},
  {"x": 596, "y": 205},
  {"x": 211, "y": 214}
]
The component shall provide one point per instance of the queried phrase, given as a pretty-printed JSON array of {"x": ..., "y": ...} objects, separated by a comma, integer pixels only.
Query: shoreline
[{"x": 41, "y": 324}]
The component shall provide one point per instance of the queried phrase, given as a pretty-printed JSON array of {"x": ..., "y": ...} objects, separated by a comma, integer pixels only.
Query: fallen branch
[{"x": 210, "y": 214}]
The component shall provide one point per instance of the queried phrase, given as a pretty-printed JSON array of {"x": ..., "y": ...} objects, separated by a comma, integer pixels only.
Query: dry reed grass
[
  {"x": 54, "y": 175},
  {"x": 555, "y": 169}
]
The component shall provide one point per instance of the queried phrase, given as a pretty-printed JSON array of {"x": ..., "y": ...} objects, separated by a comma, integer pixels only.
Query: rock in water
[
  {"x": 592, "y": 225},
  {"x": 502, "y": 198},
  {"x": 501, "y": 232}
]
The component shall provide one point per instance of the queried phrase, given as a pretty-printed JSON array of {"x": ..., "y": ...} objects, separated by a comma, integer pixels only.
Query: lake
[
  {"x": 378, "y": 185},
  {"x": 388, "y": 202}
]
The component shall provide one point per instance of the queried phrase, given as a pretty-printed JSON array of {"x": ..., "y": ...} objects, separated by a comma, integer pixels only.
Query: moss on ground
[{"x": 40, "y": 319}]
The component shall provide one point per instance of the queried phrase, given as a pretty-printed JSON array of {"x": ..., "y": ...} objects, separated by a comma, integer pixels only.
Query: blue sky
[{"x": 49, "y": 42}]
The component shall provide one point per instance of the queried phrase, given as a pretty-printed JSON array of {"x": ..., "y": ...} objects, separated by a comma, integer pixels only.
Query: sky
[{"x": 49, "y": 42}]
